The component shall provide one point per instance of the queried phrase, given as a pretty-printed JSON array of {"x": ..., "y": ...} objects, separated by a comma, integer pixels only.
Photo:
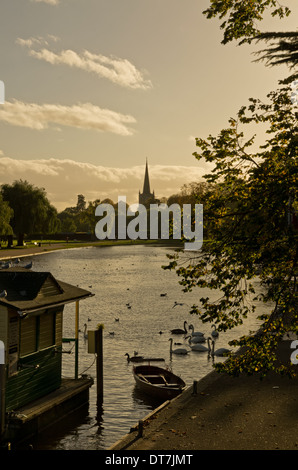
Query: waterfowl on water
[
  {"x": 134, "y": 358},
  {"x": 181, "y": 351},
  {"x": 200, "y": 347},
  {"x": 195, "y": 333},
  {"x": 214, "y": 332},
  {"x": 179, "y": 331},
  {"x": 197, "y": 339},
  {"x": 219, "y": 352}
]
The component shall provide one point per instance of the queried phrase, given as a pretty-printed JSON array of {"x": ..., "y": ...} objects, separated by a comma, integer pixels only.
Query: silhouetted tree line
[{"x": 26, "y": 210}]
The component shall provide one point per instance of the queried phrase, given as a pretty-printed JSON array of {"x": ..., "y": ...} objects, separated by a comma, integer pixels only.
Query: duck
[
  {"x": 179, "y": 331},
  {"x": 181, "y": 351}
]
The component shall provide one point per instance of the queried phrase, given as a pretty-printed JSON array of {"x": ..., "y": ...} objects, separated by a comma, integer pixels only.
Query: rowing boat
[{"x": 158, "y": 382}]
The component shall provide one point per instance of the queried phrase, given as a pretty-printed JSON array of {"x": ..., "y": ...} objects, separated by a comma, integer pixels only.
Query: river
[{"x": 127, "y": 283}]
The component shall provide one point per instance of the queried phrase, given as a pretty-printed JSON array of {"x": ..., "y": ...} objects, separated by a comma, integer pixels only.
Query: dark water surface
[{"x": 118, "y": 276}]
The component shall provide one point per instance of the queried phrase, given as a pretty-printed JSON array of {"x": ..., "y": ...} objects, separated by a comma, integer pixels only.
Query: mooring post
[
  {"x": 2, "y": 388},
  {"x": 77, "y": 341},
  {"x": 99, "y": 362}
]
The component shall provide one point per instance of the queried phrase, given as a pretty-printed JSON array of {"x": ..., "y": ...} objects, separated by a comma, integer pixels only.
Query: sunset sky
[{"x": 94, "y": 87}]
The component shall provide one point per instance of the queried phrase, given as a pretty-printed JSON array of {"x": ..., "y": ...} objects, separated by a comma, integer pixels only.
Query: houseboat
[{"x": 33, "y": 395}]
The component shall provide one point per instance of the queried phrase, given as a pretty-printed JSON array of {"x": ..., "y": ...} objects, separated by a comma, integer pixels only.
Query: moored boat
[{"x": 157, "y": 381}]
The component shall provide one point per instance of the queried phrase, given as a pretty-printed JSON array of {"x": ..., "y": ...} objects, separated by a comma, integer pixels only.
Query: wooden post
[
  {"x": 99, "y": 362},
  {"x": 77, "y": 341},
  {"x": 2, "y": 388}
]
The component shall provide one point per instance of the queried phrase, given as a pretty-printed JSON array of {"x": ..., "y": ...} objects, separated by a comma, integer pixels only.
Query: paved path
[{"x": 227, "y": 413}]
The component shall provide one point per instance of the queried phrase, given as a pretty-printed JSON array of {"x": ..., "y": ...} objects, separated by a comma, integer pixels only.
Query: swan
[
  {"x": 134, "y": 358},
  {"x": 200, "y": 347},
  {"x": 181, "y": 351},
  {"x": 195, "y": 333},
  {"x": 179, "y": 331},
  {"x": 219, "y": 352},
  {"x": 197, "y": 339},
  {"x": 214, "y": 332}
]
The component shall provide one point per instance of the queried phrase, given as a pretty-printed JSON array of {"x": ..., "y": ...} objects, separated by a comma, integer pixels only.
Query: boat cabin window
[{"x": 39, "y": 332}]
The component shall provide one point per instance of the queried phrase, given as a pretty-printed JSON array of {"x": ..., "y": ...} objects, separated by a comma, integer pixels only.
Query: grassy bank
[{"x": 38, "y": 246}]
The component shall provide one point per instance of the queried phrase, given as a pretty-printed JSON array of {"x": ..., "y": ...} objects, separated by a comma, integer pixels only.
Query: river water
[{"x": 121, "y": 275}]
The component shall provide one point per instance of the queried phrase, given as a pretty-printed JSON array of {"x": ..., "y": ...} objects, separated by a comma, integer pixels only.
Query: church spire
[
  {"x": 146, "y": 195},
  {"x": 146, "y": 187}
]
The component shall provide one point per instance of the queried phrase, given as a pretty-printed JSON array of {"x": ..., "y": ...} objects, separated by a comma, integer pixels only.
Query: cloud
[
  {"x": 36, "y": 41},
  {"x": 64, "y": 179},
  {"x": 83, "y": 116},
  {"x": 50, "y": 2},
  {"x": 119, "y": 71}
]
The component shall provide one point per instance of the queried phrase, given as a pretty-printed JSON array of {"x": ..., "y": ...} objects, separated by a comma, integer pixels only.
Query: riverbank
[
  {"x": 42, "y": 248},
  {"x": 224, "y": 413}
]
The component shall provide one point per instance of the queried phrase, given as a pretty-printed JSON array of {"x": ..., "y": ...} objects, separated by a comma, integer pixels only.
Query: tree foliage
[
  {"x": 241, "y": 17},
  {"x": 283, "y": 48},
  {"x": 250, "y": 217},
  {"x": 6, "y": 214},
  {"x": 80, "y": 218},
  {"x": 32, "y": 211}
]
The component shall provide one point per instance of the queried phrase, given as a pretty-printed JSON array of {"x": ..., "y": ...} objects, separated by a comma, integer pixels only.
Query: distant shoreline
[{"x": 26, "y": 251}]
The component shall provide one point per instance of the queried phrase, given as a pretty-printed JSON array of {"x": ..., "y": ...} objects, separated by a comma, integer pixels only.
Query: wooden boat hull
[{"x": 158, "y": 382}]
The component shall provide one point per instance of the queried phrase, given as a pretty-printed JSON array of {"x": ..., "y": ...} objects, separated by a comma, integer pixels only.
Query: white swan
[
  {"x": 195, "y": 333},
  {"x": 200, "y": 347},
  {"x": 181, "y": 351},
  {"x": 214, "y": 332},
  {"x": 219, "y": 352},
  {"x": 197, "y": 339},
  {"x": 179, "y": 331}
]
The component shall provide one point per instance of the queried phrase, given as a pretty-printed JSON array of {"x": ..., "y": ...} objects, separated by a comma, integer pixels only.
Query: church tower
[{"x": 146, "y": 194}]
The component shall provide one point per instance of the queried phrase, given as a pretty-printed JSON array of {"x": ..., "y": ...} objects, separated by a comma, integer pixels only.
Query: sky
[{"x": 93, "y": 88}]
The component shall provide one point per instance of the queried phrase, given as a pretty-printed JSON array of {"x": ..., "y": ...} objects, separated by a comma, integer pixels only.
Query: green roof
[{"x": 27, "y": 290}]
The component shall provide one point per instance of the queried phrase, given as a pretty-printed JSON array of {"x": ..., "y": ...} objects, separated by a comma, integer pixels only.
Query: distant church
[{"x": 146, "y": 195}]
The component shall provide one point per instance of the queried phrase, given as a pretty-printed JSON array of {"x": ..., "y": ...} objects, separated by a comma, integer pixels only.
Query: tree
[
  {"x": 251, "y": 231},
  {"x": 88, "y": 219},
  {"x": 283, "y": 49},
  {"x": 241, "y": 17},
  {"x": 250, "y": 209},
  {"x": 32, "y": 212},
  {"x": 81, "y": 204},
  {"x": 6, "y": 214}
]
